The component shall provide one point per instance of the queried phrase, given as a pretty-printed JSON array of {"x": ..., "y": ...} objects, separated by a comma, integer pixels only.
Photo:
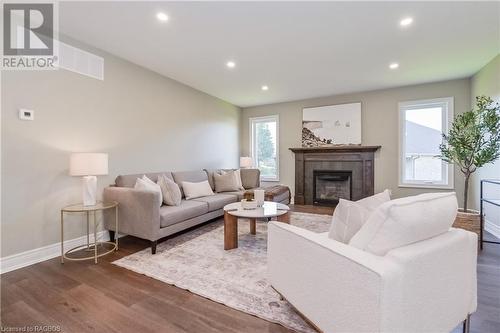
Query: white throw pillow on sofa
[
  {"x": 196, "y": 190},
  {"x": 146, "y": 184},
  {"x": 405, "y": 221},
  {"x": 349, "y": 216},
  {"x": 171, "y": 192}
]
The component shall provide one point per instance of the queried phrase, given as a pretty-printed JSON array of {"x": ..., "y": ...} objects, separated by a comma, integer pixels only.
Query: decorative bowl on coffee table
[{"x": 248, "y": 204}]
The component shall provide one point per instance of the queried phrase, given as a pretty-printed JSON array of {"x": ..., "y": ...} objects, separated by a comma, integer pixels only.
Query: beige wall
[
  {"x": 146, "y": 122},
  {"x": 379, "y": 126},
  {"x": 487, "y": 82}
]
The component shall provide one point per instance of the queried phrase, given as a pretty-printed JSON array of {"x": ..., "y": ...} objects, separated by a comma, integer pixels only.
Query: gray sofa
[{"x": 141, "y": 215}]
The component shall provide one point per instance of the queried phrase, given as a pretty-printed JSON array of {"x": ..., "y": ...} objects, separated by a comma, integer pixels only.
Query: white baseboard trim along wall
[
  {"x": 27, "y": 258},
  {"x": 492, "y": 228}
]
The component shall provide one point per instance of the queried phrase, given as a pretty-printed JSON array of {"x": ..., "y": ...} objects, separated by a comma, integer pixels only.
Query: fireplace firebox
[{"x": 331, "y": 185}]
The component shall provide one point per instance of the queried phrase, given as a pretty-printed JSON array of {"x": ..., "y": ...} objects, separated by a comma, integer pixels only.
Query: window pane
[
  {"x": 423, "y": 128},
  {"x": 265, "y": 148}
]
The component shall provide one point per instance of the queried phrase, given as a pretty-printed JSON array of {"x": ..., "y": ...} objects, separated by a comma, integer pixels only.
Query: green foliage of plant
[
  {"x": 265, "y": 142},
  {"x": 473, "y": 139}
]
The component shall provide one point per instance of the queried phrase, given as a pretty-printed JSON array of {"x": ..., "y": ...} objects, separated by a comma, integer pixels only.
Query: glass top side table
[{"x": 90, "y": 246}]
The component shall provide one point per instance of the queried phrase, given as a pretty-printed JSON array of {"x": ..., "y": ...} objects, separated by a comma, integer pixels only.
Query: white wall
[
  {"x": 487, "y": 82},
  {"x": 146, "y": 122},
  {"x": 379, "y": 116}
]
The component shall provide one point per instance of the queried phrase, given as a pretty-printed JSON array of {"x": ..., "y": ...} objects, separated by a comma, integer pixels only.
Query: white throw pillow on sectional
[
  {"x": 405, "y": 221},
  {"x": 376, "y": 200},
  {"x": 350, "y": 216},
  {"x": 196, "y": 190},
  {"x": 171, "y": 192},
  {"x": 146, "y": 184}
]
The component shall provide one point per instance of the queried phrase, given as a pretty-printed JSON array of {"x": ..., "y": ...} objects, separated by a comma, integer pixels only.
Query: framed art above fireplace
[{"x": 331, "y": 125}]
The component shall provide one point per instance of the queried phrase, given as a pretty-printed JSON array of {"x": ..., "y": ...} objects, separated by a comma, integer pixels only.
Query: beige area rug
[{"x": 196, "y": 261}]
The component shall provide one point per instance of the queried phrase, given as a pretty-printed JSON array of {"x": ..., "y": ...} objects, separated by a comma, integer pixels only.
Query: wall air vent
[{"x": 79, "y": 61}]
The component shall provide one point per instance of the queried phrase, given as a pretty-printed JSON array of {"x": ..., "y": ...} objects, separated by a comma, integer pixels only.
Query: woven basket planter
[{"x": 469, "y": 220}]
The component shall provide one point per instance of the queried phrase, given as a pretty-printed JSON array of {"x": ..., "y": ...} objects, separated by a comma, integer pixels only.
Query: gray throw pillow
[
  {"x": 237, "y": 175},
  {"x": 170, "y": 190},
  {"x": 225, "y": 182}
]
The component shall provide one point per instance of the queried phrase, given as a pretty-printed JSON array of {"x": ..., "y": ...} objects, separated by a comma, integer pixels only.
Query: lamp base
[{"x": 89, "y": 190}]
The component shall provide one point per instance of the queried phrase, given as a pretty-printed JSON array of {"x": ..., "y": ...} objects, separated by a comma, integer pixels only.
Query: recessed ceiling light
[
  {"x": 394, "y": 65},
  {"x": 406, "y": 21},
  {"x": 230, "y": 64},
  {"x": 162, "y": 17},
  {"x": 265, "y": 88}
]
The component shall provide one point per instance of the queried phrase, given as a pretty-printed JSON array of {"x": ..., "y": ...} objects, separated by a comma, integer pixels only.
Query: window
[
  {"x": 422, "y": 124},
  {"x": 264, "y": 133}
]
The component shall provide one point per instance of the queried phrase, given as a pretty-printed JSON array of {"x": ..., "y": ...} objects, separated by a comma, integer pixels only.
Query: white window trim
[
  {"x": 253, "y": 120},
  {"x": 447, "y": 120}
]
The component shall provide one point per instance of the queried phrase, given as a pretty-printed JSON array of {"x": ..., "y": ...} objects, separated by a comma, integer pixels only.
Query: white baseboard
[
  {"x": 492, "y": 228},
  {"x": 30, "y": 257}
]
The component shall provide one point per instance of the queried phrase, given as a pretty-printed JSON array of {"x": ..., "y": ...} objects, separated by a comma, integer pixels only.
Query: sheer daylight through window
[
  {"x": 421, "y": 127},
  {"x": 264, "y": 146}
]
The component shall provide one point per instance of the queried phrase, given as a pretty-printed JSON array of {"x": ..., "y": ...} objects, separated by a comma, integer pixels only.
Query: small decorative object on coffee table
[
  {"x": 94, "y": 246},
  {"x": 258, "y": 196},
  {"x": 248, "y": 204},
  {"x": 234, "y": 211}
]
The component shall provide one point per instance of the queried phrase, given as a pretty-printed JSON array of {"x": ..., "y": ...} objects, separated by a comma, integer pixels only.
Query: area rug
[{"x": 196, "y": 261}]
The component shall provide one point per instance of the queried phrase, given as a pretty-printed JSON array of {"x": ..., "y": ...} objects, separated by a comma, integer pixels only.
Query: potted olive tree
[{"x": 472, "y": 141}]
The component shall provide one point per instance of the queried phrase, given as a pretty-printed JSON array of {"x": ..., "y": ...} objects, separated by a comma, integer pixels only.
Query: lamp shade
[
  {"x": 246, "y": 162},
  {"x": 88, "y": 164}
]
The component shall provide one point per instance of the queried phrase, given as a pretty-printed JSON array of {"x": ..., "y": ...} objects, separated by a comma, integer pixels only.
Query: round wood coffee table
[{"x": 234, "y": 211}]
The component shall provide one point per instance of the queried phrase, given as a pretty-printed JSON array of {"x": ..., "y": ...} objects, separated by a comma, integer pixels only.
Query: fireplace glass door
[{"x": 330, "y": 186}]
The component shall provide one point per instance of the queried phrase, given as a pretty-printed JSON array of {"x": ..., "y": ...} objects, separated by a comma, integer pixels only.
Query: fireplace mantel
[
  {"x": 338, "y": 148},
  {"x": 357, "y": 159}
]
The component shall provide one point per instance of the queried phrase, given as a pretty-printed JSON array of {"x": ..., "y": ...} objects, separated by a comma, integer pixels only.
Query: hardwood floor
[{"x": 83, "y": 297}]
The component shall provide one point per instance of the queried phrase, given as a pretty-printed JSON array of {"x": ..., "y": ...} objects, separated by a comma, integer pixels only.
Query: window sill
[
  {"x": 428, "y": 186},
  {"x": 267, "y": 180}
]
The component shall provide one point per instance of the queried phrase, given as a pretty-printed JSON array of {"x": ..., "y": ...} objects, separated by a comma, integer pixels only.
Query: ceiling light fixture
[
  {"x": 230, "y": 64},
  {"x": 394, "y": 65},
  {"x": 265, "y": 88},
  {"x": 406, "y": 21},
  {"x": 162, "y": 17}
]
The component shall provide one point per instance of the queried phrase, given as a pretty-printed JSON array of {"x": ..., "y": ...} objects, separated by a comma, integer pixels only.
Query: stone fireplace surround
[{"x": 357, "y": 159}]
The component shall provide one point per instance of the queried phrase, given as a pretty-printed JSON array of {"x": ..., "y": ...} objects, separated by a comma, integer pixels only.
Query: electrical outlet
[{"x": 25, "y": 114}]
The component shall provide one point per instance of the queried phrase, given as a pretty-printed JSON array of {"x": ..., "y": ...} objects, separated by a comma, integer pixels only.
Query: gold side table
[{"x": 89, "y": 210}]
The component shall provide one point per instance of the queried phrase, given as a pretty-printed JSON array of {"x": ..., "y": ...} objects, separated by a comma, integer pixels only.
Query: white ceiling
[{"x": 299, "y": 49}]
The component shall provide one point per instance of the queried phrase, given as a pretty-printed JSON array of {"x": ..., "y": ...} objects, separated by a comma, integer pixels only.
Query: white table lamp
[
  {"x": 88, "y": 165},
  {"x": 246, "y": 162}
]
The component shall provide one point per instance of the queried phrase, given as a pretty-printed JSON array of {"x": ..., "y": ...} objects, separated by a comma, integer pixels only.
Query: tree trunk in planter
[
  {"x": 469, "y": 220},
  {"x": 466, "y": 190}
]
